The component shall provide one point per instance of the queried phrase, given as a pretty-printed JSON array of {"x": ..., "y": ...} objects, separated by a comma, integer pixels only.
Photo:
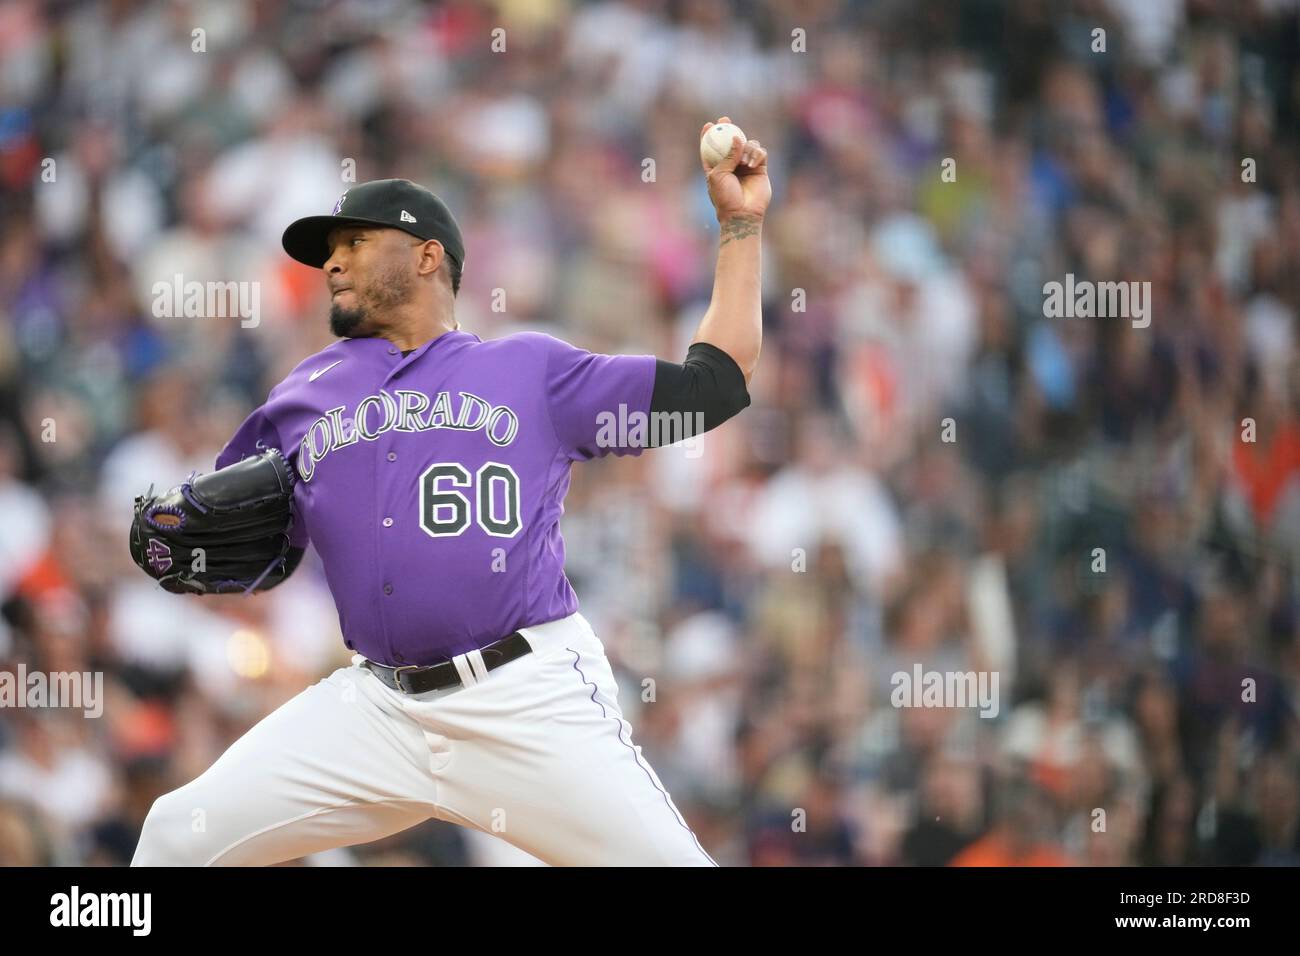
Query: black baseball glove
[{"x": 220, "y": 532}]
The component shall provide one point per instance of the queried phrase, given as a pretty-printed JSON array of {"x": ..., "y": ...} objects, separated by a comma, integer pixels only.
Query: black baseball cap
[{"x": 396, "y": 203}]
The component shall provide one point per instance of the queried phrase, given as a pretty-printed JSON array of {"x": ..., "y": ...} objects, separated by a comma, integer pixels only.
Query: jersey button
[
  {"x": 392, "y": 456},
  {"x": 388, "y": 589},
  {"x": 392, "y": 351},
  {"x": 388, "y": 522}
]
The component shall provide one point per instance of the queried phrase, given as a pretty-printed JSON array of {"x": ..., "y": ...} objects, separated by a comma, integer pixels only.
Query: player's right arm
[
  {"x": 590, "y": 397},
  {"x": 740, "y": 192},
  {"x": 712, "y": 383}
]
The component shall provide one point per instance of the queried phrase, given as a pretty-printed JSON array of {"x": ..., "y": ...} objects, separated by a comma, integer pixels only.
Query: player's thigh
[
  {"x": 334, "y": 766},
  {"x": 563, "y": 779}
]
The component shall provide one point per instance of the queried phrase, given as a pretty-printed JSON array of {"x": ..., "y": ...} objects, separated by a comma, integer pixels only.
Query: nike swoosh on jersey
[{"x": 321, "y": 371}]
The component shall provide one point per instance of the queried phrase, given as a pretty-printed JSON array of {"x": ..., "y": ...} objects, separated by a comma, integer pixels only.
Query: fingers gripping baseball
[{"x": 738, "y": 183}]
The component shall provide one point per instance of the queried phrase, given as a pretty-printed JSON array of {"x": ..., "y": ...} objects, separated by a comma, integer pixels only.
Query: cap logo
[
  {"x": 406, "y": 217},
  {"x": 338, "y": 206}
]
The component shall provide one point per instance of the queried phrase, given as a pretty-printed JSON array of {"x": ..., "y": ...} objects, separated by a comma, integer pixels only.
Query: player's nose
[
  {"x": 334, "y": 264},
  {"x": 333, "y": 269}
]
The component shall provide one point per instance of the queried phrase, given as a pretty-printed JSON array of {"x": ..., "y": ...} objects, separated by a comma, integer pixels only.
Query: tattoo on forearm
[{"x": 740, "y": 227}]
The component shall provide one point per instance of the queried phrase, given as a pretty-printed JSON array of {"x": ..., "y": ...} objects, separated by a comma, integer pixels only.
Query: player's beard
[{"x": 388, "y": 290}]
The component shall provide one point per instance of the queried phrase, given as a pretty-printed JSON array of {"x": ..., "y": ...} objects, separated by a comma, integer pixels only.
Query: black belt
[{"x": 414, "y": 679}]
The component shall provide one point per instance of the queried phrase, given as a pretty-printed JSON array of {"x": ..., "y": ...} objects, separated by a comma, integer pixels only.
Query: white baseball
[{"x": 715, "y": 144}]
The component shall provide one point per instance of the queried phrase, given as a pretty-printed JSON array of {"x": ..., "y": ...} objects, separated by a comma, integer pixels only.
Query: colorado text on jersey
[{"x": 402, "y": 412}]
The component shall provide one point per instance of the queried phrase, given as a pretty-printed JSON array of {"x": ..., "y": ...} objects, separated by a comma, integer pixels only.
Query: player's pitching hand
[{"x": 738, "y": 184}]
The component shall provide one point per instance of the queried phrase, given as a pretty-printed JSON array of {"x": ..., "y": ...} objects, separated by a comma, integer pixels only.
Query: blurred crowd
[{"x": 932, "y": 472}]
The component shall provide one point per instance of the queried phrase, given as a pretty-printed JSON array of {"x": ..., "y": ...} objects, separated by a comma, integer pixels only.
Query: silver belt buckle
[{"x": 398, "y": 670}]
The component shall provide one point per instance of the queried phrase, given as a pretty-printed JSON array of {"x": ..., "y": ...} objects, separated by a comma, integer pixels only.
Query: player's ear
[{"x": 431, "y": 256}]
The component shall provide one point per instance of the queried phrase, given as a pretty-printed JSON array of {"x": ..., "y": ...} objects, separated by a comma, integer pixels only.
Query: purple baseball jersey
[{"x": 432, "y": 484}]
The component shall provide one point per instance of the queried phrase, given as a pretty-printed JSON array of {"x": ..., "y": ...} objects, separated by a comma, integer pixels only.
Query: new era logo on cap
[{"x": 407, "y": 217}]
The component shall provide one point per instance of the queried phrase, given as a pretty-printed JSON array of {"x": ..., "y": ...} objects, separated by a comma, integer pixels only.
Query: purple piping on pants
[{"x": 604, "y": 713}]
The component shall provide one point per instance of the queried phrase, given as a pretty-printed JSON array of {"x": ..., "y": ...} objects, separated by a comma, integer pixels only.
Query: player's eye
[{"x": 356, "y": 239}]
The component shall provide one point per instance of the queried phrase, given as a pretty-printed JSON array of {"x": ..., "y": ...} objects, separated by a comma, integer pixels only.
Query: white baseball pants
[{"x": 537, "y": 753}]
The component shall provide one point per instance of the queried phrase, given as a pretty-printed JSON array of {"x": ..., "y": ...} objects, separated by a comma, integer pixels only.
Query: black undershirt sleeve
[{"x": 709, "y": 383}]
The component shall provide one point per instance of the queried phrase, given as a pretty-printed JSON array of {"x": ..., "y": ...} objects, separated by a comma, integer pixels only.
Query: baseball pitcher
[{"x": 428, "y": 468}]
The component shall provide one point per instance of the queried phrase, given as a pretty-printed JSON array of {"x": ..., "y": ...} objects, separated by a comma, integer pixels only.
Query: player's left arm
[
  {"x": 254, "y": 436},
  {"x": 720, "y": 363}
]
